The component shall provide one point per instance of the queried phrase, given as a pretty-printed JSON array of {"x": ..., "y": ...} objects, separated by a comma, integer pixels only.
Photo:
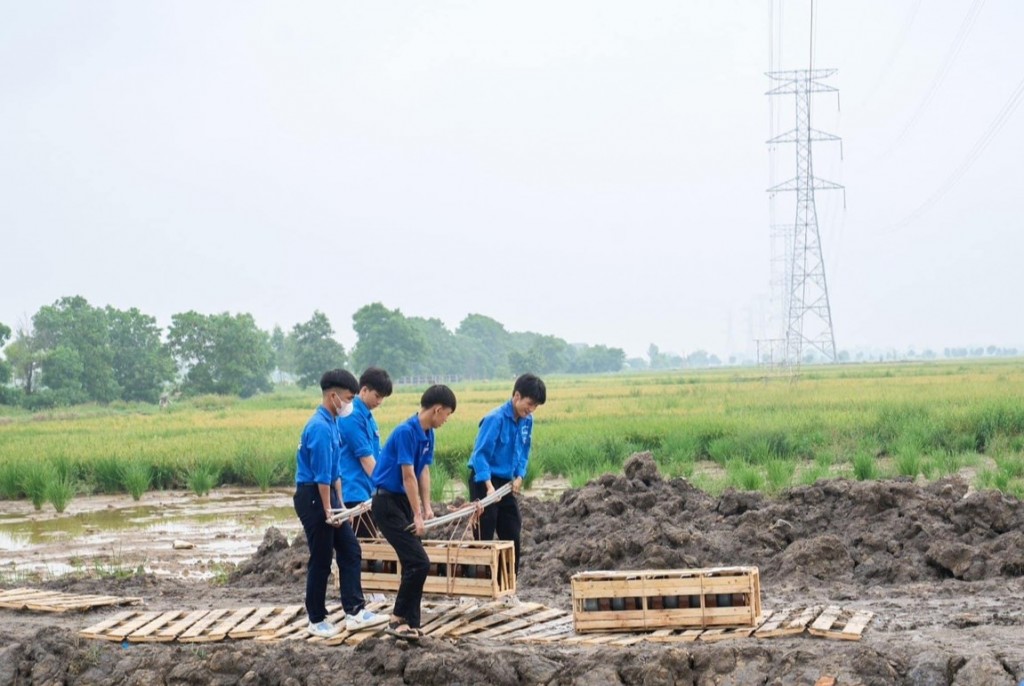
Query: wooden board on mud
[
  {"x": 35, "y": 600},
  {"x": 467, "y": 620}
]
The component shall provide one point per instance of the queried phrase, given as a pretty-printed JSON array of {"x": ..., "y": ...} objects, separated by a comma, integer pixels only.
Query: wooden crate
[
  {"x": 463, "y": 568},
  {"x": 666, "y": 599}
]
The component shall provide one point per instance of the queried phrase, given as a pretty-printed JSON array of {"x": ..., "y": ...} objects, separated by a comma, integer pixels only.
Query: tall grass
[
  {"x": 743, "y": 476},
  {"x": 201, "y": 478},
  {"x": 136, "y": 477},
  {"x": 260, "y": 467},
  {"x": 34, "y": 479},
  {"x": 440, "y": 480},
  {"x": 107, "y": 473},
  {"x": 865, "y": 467},
  {"x": 60, "y": 490},
  {"x": 693, "y": 422},
  {"x": 909, "y": 464},
  {"x": 11, "y": 478},
  {"x": 779, "y": 474}
]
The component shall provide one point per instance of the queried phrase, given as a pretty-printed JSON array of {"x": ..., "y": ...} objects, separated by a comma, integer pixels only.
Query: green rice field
[{"x": 720, "y": 428}]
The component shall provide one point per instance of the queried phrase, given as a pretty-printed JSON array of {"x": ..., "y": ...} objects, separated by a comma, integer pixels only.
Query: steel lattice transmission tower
[{"x": 809, "y": 315}]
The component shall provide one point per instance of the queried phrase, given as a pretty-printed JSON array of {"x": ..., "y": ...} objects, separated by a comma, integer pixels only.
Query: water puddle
[{"x": 114, "y": 534}]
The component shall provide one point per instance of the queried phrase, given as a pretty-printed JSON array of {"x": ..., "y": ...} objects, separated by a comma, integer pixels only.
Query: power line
[
  {"x": 954, "y": 50},
  {"x": 810, "y": 56},
  {"x": 1011, "y": 105},
  {"x": 901, "y": 39}
]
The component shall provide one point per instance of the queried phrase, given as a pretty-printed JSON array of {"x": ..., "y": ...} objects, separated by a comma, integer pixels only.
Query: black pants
[
  {"x": 502, "y": 517},
  {"x": 326, "y": 541},
  {"x": 393, "y": 514}
]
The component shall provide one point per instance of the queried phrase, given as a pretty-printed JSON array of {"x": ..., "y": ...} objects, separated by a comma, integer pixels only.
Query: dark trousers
[
  {"x": 363, "y": 525},
  {"x": 502, "y": 517},
  {"x": 326, "y": 541},
  {"x": 393, "y": 514}
]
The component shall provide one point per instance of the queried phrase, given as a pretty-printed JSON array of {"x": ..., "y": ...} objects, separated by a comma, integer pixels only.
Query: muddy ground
[{"x": 942, "y": 567}]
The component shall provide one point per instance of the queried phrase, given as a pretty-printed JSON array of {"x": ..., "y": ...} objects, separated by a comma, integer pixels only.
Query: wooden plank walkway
[
  {"x": 466, "y": 620},
  {"x": 35, "y": 600}
]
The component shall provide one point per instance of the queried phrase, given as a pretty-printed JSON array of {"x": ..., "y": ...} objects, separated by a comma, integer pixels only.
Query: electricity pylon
[{"x": 809, "y": 315}]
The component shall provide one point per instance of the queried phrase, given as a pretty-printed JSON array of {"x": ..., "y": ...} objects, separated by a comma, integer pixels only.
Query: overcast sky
[{"x": 590, "y": 169}]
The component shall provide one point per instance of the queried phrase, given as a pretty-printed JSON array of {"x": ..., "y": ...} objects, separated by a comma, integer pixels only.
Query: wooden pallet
[
  {"x": 788, "y": 622},
  {"x": 457, "y": 568},
  {"x": 54, "y": 601},
  {"x": 846, "y": 625},
  {"x": 472, "y": 620},
  {"x": 718, "y": 597},
  {"x": 833, "y": 623},
  {"x": 199, "y": 626}
]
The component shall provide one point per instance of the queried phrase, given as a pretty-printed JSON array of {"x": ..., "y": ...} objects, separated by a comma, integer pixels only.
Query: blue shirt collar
[
  {"x": 359, "y": 406},
  {"x": 325, "y": 413}
]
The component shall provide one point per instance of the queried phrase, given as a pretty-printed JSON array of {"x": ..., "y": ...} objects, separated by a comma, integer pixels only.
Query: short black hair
[
  {"x": 376, "y": 379},
  {"x": 438, "y": 394},
  {"x": 339, "y": 378},
  {"x": 530, "y": 386}
]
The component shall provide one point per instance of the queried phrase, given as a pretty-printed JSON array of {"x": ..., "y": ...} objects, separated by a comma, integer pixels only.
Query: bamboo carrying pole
[
  {"x": 343, "y": 514},
  {"x": 466, "y": 510}
]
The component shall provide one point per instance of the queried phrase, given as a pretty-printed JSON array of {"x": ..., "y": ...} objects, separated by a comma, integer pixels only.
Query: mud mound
[
  {"x": 275, "y": 562},
  {"x": 861, "y": 532}
]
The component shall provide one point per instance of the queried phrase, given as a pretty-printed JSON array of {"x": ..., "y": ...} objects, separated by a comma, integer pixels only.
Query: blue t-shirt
[
  {"x": 359, "y": 437},
  {"x": 407, "y": 444},
  {"x": 317, "y": 456},
  {"x": 502, "y": 445}
]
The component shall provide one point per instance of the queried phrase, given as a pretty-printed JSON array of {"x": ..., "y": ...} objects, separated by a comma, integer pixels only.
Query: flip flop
[{"x": 407, "y": 634}]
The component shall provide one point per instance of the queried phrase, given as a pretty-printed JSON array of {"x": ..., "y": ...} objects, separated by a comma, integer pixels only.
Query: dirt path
[{"x": 940, "y": 567}]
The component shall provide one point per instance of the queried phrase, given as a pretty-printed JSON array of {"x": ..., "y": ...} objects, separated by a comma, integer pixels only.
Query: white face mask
[{"x": 345, "y": 409}]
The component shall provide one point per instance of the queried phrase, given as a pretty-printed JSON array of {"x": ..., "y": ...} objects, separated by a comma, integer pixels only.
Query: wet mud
[{"x": 942, "y": 568}]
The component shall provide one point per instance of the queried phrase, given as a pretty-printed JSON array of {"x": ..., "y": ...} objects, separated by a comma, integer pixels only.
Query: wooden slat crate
[
  {"x": 666, "y": 599},
  {"x": 463, "y": 568}
]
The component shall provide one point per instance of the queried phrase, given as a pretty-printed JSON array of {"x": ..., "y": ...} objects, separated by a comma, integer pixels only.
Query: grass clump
[
  {"x": 34, "y": 479},
  {"x": 201, "y": 478},
  {"x": 60, "y": 490},
  {"x": 865, "y": 466},
  {"x": 11, "y": 477},
  {"x": 106, "y": 473},
  {"x": 909, "y": 464},
  {"x": 136, "y": 476},
  {"x": 532, "y": 472},
  {"x": 258, "y": 467},
  {"x": 743, "y": 476},
  {"x": 440, "y": 479},
  {"x": 779, "y": 474}
]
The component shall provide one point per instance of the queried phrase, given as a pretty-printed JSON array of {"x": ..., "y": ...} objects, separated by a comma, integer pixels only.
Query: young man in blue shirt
[
  {"x": 360, "y": 443},
  {"x": 500, "y": 456},
  {"x": 317, "y": 491},
  {"x": 401, "y": 501}
]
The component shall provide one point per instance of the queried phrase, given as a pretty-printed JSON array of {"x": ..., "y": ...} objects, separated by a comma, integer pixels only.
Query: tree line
[{"x": 74, "y": 352}]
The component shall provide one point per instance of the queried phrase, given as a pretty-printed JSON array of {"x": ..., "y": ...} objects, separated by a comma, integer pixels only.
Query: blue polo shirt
[
  {"x": 359, "y": 437},
  {"x": 502, "y": 445},
  {"x": 317, "y": 457},
  {"x": 407, "y": 444}
]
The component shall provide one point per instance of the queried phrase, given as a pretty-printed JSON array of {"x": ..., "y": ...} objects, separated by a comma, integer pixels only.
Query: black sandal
[{"x": 407, "y": 634}]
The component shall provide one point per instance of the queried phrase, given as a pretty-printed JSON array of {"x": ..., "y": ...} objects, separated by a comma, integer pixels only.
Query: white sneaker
[
  {"x": 364, "y": 619},
  {"x": 323, "y": 629}
]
